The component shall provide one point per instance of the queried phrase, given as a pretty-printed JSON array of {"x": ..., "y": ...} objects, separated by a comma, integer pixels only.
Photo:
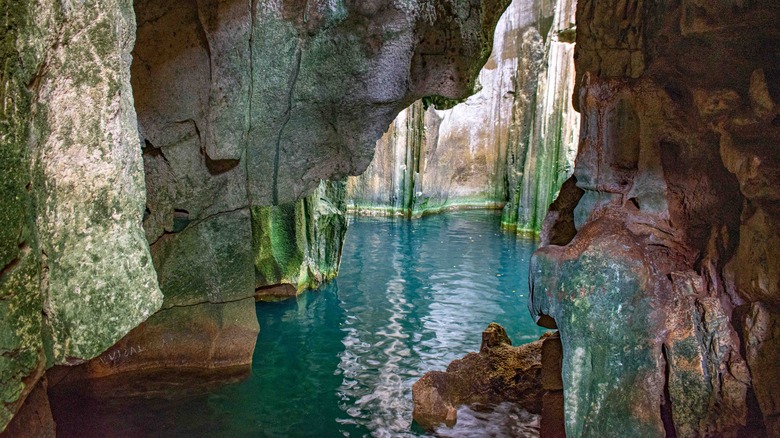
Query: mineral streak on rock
[
  {"x": 660, "y": 267},
  {"x": 510, "y": 145}
]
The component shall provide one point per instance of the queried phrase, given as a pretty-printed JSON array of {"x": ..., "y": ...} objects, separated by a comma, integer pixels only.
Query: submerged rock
[{"x": 498, "y": 373}]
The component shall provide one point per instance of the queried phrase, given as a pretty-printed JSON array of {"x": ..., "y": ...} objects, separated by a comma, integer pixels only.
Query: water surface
[{"x": 411, "y": 297}]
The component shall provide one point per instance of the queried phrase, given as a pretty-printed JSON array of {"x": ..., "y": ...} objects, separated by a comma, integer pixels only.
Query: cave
[{"x": 171, "y": 167}]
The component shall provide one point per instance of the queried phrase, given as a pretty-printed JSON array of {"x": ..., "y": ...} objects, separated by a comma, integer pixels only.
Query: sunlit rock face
[
  {"x": 659, "y": 258},
  {"x": 511, "y": 144},
  {"x": 431, "y": 160},
  {"x": 543, "y": 133},
  {"x": 240, "y": 105}
]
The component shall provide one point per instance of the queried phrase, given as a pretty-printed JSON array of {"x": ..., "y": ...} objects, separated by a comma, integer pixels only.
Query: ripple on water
[{"x": 410, "y": 298}]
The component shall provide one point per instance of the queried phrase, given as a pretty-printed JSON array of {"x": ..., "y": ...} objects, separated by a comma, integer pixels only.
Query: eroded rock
[
  {"x": 76, "y": 271},
  {"x": 498, "y": 373},
  {"x": 205, "y": 336},
  {"x": 299, "y": 244},
  {"x": 252, "y": 82},
  {"x": 672, "y": 248},
  {"x": 245, "y": 107},
  {"x": 762, "y": 335}
]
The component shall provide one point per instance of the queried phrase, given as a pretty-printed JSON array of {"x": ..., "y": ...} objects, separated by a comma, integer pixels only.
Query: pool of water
[{"x": 411, "y": 297}]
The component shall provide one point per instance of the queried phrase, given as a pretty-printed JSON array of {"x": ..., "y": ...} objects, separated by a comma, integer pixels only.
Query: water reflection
[
  {"x": 411, "y": 297},
  {"x": 418, "y": 302}
]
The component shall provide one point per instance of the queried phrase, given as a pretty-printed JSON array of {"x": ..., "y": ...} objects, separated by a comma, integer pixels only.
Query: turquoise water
[{"x": 410, "y": 298}]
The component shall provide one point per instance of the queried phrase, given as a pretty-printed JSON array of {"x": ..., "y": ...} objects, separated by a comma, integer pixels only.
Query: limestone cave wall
[
  {"x": 659, "y": 257},
  {"x": 510, "y": 145},
  {"x": 180, "y": 161},
  {"x": 75, "y": 270}
]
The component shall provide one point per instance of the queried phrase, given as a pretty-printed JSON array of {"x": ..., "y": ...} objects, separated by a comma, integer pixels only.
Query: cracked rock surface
[{"x": 659, "y": 258}]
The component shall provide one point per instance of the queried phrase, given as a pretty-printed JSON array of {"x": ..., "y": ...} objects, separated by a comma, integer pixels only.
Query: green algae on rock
[
  {"x": 88, "y": 185},
  {"x": 300, "y": 244},
  {"x": 198, "y": 266},
  {"x": 74, "y": 190},
  {"x": 544, "y": 130}
]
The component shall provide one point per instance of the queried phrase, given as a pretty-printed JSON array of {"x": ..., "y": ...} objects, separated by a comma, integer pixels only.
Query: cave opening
[{"x": 412, "y": 294}]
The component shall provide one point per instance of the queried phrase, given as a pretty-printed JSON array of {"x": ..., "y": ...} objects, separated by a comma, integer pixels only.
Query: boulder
[{"x": 498, "y": 373}]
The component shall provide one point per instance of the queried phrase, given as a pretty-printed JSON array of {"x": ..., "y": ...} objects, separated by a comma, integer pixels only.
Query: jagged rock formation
[
  {"x": 240, "y": 105},
  {"x": 498, "y": 373},
  {"x": 659, "y": 263},
  {"x": 511, "y": 144}
]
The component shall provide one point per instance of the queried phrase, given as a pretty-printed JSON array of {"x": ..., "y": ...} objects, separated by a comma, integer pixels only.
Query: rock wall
[
  {"x": 428, "y": 161},
  {"x": 543, "y": 134},
  {"x": 240, "y": 106},
  {"x": 244, "y": 107},
  {"x": 511, "y": 144},
  {"x": 659, "y": 257},
  {"x": 299, "y": 245},
  {"x": 76, "y": 274}
]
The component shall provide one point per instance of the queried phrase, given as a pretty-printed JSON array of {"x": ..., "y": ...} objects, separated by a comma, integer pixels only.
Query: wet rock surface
[
  {"x": 511, "y": 145},
  {"x": 34, "y": 419},
  {"x": 498, "y": 373},
  {"x": 75, "y": 271},
  {"x": 652, "y": 267}
]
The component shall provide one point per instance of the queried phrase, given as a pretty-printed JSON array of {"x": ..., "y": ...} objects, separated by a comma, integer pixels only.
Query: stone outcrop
[
  {"x": 299, "y": 245},
  {"x": 242, "y": 86},
  {"x": 498, "y": 373},
  {"x": 659, "y": 263},
  {"x": 213, "y": 326},
  {"x": 511, "y": 144},
  {"x": 240, "y": 105}
]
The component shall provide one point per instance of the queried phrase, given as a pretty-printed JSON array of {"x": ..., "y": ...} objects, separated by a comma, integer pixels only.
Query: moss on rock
[{"x": 300, "y": 244}]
